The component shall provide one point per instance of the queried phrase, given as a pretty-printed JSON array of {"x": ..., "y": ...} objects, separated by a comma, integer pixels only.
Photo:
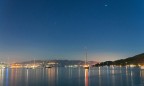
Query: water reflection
[
  {"x": 51, "y": 76},
  {"x": 72, "y": 77},
  {"x": 27, "y": 74},
  {"x": 86, "y": 78},
  {"x": 1, "y": 76},
  {"x": 7, "y": 77},
  {"x": 99, "y": 74},
  {"x": 142, "y": 74},
  {"x": 13, "y": 76}
]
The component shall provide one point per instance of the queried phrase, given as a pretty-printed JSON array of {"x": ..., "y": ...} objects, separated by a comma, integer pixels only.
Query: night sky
[{"x": 60, "y": 29}]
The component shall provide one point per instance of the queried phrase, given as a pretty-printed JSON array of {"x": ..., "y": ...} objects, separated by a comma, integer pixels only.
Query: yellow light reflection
[
  {"x": 142, "y": 74},
  {"x": 86, "y": 77},
  {"x": 1, "y": 76},
  {"x": 27, "y": 74},
  {"x": 51, "y": 76},
  {"x": 13, "y": 76}
]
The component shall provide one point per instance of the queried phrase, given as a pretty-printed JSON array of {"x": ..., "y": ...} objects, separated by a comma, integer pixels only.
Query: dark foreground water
[{"x": 72, "y": 77}]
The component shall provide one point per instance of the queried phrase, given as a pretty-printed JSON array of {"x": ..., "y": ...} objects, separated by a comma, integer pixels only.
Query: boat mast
[
  {"x": 34, "y": 63},
  {"x": 86, "y": 55}
]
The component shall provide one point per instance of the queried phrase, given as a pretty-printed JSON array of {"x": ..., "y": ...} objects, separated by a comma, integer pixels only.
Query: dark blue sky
[{"x": 60, "y": 29}]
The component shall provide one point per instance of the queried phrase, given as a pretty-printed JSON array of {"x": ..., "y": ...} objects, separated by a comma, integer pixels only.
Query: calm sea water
[{"x": 103, "y": 76}]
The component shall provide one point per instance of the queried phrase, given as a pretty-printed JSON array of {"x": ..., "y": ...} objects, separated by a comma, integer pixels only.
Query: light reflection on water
[
  {"x": 86, "y": 77},
  {"x": 1, "y": 76},
  {"x": 102, "y": 76}
]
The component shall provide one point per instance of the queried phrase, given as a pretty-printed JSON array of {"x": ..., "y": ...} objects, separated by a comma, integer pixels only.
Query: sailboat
[
  {"x": 86, "y": 66},
  {"x": 47, "y": 65}
]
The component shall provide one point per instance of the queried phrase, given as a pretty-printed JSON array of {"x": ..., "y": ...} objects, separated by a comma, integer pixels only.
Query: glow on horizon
[
  {"x": 44, "y": 28},
  {"x": 98, "y": 56}
]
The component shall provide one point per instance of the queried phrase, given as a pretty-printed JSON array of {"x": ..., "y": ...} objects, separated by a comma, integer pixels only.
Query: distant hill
[
  {"x": 60, "y": 62},
  {"x": 135, "y": 60}
]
